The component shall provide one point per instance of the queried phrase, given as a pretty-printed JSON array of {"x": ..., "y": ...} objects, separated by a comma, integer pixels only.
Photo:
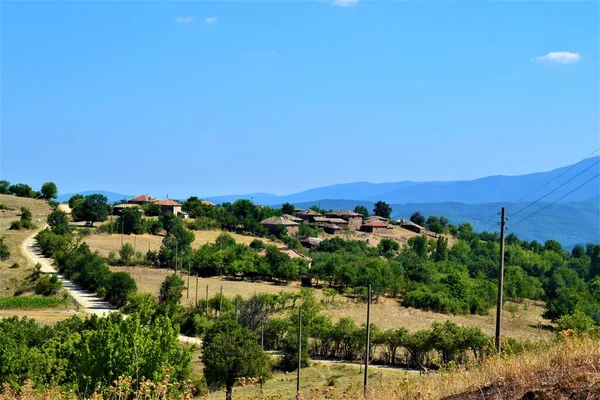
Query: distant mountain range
[
  {"x": 574, "y": 219},
  {"x": 484, "y": 190},
  {"x": 111, "y": 196}
]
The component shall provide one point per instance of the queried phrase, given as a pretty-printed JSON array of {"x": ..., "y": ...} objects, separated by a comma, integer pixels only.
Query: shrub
[
  {"x": 203, "y": 224},
  {"x": 48, "y": 285},
  {"x": 15, "y": 226},
  {"x": 4, "y": 251},
  {"x": 14, "y": 266},
  {"x": 126, "y": 253}
]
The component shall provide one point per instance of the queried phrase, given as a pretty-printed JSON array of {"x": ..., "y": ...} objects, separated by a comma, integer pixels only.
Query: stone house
[
  {"x": 342, "y": 223},
  {"x": 375, "y": 226},
  {"x": 354, "y": 220},
  {"x": 411, "y": 226},
  {"x": 308, "y": 215},
  {"x": 272, "y": 224}
]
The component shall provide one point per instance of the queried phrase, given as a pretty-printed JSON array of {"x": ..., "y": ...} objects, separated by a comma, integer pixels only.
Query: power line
[
  {"x": 555, "y": 178},
  {"x": 552, "y": 191},
  {"x": 557, "y": 200}
]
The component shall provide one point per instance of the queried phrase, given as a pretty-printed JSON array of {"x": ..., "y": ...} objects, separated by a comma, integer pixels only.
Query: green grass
[{"x": 30, "y": 302}]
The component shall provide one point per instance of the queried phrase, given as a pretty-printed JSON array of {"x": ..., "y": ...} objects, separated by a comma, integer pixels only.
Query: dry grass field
[
  {"x": 11, "y": 278},
  {"x": 149, "y": 280},
  {"x": 524, "y": 322},
  {"x": 398, "y": 234},
  {"x": 105, "y": 243}
]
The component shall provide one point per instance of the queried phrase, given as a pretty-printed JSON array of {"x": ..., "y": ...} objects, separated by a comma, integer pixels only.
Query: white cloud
[
  {"x": 560, "y": 57},
  {"x": 210, "y": 20},
  {"x": 184, "y": 20},
  {"x": 344, "y": 3}
]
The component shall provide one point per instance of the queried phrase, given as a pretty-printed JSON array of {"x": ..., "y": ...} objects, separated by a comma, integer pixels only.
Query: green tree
[
  {"x": 441, "y": 249},
  {"x": 288, "y": 208},
  {"x": 434, "y": 225},
  {"x": 595, "y": 261},
  {"x": 126, "y": 252},
  {"x": 418, "y": 218},
  {"x": 49, "y": 190},
  {"x": 93, "y": 208},
  {"x": 21, "y": 190},
  {"x": 4, "y": 252},
  {"x": 121, "y": 286},
  {"x": 578, "y": 322},
  {"x": 362, "y": 210},
  {"x": 231, "y": 352},
  {"x": 151, "y": 210},
  {"x": 171, "y": 290},
  {"x": 26, "y": 215},
  {"x": 388, "y": 247},
  {"x": 419, "y": 245},
  {"x": 4, "y": 185},
  {"x": 130, "y": 221},
  {"x": 59, "y": 222},
  {"x": 382, "y": 209},
  {"x": 578, "y": 251}
]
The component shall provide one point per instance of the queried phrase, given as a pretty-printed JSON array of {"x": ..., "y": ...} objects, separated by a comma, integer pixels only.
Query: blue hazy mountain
[{"x": 484, "y": 190}]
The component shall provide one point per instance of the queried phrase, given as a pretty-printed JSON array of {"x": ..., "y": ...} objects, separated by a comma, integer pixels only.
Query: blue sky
[{"x": 212, "y": 98}]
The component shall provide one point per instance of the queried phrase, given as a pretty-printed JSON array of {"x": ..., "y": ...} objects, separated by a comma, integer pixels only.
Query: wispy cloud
[
  {"x": 184, "y": 20},
  {"x": 210, "y": 20},
  {"x": 344, "y": 3},
  {"x": 559, "y": 57}
]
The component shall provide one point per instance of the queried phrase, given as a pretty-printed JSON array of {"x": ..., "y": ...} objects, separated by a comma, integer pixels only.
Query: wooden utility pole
[
  {"x": 299, "y": 351},
  {"x": 196, "y": 291},
  {"x": 206, "y": 299},
  {"x": 221, "y": 301},
  {"x": 368, "y": 348},
  {"x": 500, "y": 283},
  {"x": 188, "y": 285},
  {"x": 262, "y": 344}
]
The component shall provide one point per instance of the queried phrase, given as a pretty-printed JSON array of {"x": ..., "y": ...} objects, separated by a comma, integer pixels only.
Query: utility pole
[
  {"x": 207, "y": 300},
  {"x": 196, "y": 291},
  {"x": 221, "y": 301},
  {"x": 176, "y": 246},
  {"x": 299, "y": 351},
  {"x": 188, "y": 285},
  {"x": 368, "y": 348},
  {"x": 500, "y": 283},
  {"x": 122, "y": 224},
  {"x": 134, "y": 242},
  {"x": 262, "y": 344}
]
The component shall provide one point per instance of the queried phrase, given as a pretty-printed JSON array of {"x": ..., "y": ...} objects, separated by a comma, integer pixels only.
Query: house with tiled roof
[
  {"x": 142, "y": 200},
  {"x": 291, "y": 254},
  {"x": 169, "y": 206},
  {"x": 342, "y": 223},
  {"x": 374, "y": 226}
]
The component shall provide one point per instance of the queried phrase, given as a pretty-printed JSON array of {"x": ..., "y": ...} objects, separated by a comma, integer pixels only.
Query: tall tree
[
  {"x": 93, "y": 208},
  {"x": 171, "y": 290},
  {"x": 49, "y": 190},
  {"x": 231, "y": 352},
  {"x": 418, "y": 218},
  {"x": 4, "y": 185},
  {"x": 441, "y": 249},
  {"x": 362, "y": 210},
  {"x": 59, "y": 222},
  {"x": 288, "y": 208},
  {"x": 382, "y": 209}
]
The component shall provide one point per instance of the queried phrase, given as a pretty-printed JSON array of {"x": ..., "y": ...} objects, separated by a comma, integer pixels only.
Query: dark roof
[
  {"x": 331, "y": 220},
  {"x": 376, "y": 224},
  {"x": 410, "y": 223},
  {"x": 168, "y": 202},
  {"x": 312, "y": 240},
  {"x": 308, "y": 212},
  {"x": 376, "y": 218},
  {"x": 279, "y": 221},
  {"x": 345, "y": 213},
  {"x": 292, "y": 218},
  {"x": 290, "y": 253},
  {"x": 328, "y": 225}
]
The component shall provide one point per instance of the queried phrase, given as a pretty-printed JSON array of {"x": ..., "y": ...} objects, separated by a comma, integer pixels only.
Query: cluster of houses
[
  {"x": 332, "y": 222},
  {"x": 166, "y": 206}
]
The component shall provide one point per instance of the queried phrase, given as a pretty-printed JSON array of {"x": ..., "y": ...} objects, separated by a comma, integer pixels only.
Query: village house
[
  {"x": 142, "y": 200},
  {"x": 169, "y": 206},
  {"x": 411, "y": 226},
  {"x": 292, "y": 218},
  {"x": 329, "y": 227},
  {"x": 375, "y": 226},
  {"x": 354, "y": 220},
  {"x": 310, "y": 242},
  {"x": 291, "y": 254},
  {"x": 272, "y": 225},
  {"x": 376, "y": 218},
  {"x": 308, "y": 215},
  {"x": 342, "y": 223}
]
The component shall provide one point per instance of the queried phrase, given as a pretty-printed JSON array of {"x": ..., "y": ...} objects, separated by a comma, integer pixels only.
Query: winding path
[{"x": 89, "y": 301}]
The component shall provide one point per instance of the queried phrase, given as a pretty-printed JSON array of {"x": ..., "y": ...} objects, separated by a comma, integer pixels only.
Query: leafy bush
[
  {"x": 48, "y": 285},
  {"x": 4, "y": 251}
]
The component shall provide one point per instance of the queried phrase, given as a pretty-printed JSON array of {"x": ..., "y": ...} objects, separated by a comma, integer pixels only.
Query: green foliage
[
  {"x": 30, "y": 302},
  {"x": 362, "y": 210},
  {"x": 579, "y": 322},
  {"x": 49, "y": 190},
  {"x": 288, "y": 208},
  {"x": 171, "y": 290},
  {"x": 59, "y": 222},
  {"x": 382, "y": 209},
  {"x": 4, "y": 251},
  {"x": 418, "y": 218},
  {"x": 22, "y": 190},
  {"x": 93, "y": 208},
  {"x": 151, "y": 210},
  {"x": 307, "y": 230},
  {"x": 48, "y": 285},
  {"x": 419, "y": 245},
  {"x": 4, "y": 187},
  {"x": 231, "y": 352},
  {"x": 130, "y": 221},
  {"x": 126, "y": 252},
  {"x": 388, "y": 247},
  {"x": 441, "y": 249}
]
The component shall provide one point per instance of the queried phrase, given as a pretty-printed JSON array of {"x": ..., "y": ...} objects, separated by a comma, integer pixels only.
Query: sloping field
[
  {"x": 105, "y": 243},
  {"x": 13, "y": 277}
]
